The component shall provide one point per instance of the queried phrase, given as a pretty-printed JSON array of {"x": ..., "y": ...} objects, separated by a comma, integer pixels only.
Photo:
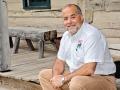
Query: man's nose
[{"x": 69, "y": 21}]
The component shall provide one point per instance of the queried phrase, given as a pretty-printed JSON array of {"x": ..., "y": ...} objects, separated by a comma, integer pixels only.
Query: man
[{"x": 85, "y": 51}]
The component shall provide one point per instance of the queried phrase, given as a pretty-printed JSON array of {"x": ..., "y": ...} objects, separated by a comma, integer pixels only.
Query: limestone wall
[
  {"x": 104, "y": 14},
  {"x": 36, "y": 18}
]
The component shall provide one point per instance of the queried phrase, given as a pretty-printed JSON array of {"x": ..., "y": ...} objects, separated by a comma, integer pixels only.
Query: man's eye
[
  {"x": 73, "y": 17},
  {"x": 65, "y": 18}
]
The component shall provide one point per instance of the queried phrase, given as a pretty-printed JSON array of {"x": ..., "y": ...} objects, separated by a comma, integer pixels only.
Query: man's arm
[
  {"x": 57, "y": 72},
  {"x": 86, "y": 70},
  {"x": 58, "y": 67}
]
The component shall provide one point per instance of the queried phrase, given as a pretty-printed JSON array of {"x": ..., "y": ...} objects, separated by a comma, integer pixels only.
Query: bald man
[{"x": 84, "y": 49}]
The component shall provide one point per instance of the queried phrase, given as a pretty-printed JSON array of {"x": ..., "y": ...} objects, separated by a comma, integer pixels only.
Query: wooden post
[
  {"x": 41, "y": 48},
  {"x": 4, "y": 38}
]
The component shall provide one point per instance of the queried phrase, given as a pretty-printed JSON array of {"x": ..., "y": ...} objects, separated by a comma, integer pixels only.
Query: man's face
[{"x": 72, "y": 20}]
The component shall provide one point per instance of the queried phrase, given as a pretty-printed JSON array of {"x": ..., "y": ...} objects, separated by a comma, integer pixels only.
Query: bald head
[
  {"x": 78, "y": 9},
  {"x": 72, "y": 18}
]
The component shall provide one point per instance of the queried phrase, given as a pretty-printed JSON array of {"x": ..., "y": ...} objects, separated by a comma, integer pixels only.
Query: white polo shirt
[{"x": 87, "y": 45}]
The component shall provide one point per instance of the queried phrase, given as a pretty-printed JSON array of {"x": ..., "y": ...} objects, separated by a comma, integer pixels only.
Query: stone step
[{"x": 118, "y": 84}]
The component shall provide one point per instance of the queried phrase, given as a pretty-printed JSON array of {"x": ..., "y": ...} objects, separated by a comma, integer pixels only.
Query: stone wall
[
  {"x": 50, "y": 18},
  {"x": 104, "y": 14}
]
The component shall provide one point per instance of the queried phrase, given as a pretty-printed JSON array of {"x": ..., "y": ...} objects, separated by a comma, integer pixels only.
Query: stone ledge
[
  {"x": 14, "y": 84},
  {"x": 118, "y": 84}
]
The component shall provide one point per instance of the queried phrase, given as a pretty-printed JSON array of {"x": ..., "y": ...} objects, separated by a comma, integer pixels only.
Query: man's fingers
[
  {"x": 55, "y": 85},
  {"x": 57, "y": 81}
]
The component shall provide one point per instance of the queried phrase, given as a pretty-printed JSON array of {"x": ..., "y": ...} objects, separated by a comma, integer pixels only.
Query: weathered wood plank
[
  {"x": 32, "y": 33},
  {"x": 0, "y": 41},
  {"x": 29, "y": 57},
  {"x": 30, "y": 45},
  {"x": 4, "y": 38},
  {"x": 11, "y": 42},
  {"x": 16, "y": 45},
  {"x": 27, "y": 65},
  {"x": 32, "y": 72}
]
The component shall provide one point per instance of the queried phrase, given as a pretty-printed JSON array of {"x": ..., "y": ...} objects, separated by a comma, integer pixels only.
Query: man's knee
[
  {"x": 46, "y": 74},
  {"x": 78, "y": 83}
]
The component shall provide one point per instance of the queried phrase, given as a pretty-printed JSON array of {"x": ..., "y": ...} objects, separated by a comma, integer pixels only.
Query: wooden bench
[{"x": 30, "y": 33}]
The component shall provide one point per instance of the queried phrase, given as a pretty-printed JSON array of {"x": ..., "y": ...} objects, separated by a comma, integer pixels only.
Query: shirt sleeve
[
  {"x": 94, "y": 48},
  {"x": 61, "y": 51}
]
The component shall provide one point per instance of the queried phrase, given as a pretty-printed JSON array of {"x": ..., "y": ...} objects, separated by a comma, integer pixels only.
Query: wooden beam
[{"x": 4, "y": 38}]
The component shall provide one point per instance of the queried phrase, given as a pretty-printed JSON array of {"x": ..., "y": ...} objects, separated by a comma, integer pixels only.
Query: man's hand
[{"x": 57, "y": 81}]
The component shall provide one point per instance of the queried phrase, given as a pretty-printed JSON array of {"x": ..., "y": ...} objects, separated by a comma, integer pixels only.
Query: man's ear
[{"x": 82, "y": 18}]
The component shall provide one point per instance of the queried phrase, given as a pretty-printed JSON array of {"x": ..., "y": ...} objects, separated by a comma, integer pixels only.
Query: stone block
[
  {"x": 106, "y": 20},
  {"x": 81, "y": 4},
  {"x": 118, "y": 84},
  {"x": 17, "y": 6},
  {"x": 111, "y": 33},
  {"x": 14, "y": 1},
  {"x": 89, "y": 16},
  {"x": 51, "y": 23},
  {"x": 95, "y": 4},
  {"x": 116, "y": 57},
  {"x": 113, "y": 40},
  {"x": 58, "y": 4},
  {"x": 112, "y": 5},
  {"x": 115, "y": 46},
  {"x": 34, "y": 14}
]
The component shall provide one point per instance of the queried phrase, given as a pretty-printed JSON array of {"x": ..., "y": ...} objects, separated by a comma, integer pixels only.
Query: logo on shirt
[{"x": 79, "y": 45}]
